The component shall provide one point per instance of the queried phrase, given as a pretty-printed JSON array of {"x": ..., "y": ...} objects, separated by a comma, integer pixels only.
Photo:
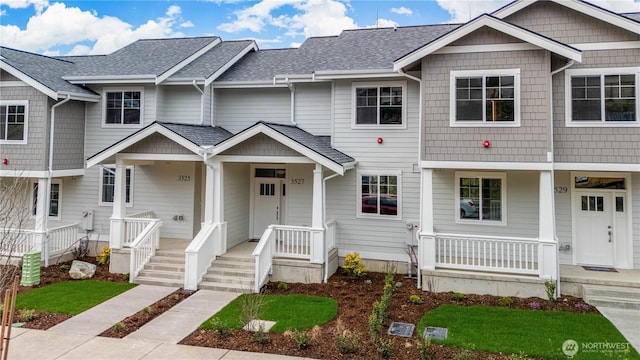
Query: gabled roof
[
  {"x": 633, "y": 16},
  {"x": 195, "y": 138},
  {"x": 577, "y": 5},
  {"x": 496, "y": 24},
  {"x": 43, "y": 73},
  {"x": 316, "y": 148}
]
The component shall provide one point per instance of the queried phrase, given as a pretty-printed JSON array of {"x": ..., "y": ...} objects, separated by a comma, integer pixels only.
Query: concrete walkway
[{"x": 627, "y": 321}]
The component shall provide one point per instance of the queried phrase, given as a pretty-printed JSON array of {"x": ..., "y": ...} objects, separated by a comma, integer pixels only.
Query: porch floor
[
  {"x": 169, "y": 244},
  {"x": 577, "y": 274},
  {"x": 242, "y": 250}
]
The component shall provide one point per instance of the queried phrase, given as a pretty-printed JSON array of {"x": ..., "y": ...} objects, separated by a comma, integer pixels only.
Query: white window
[
  {"x": 107, "y": 185},
  {"x": 379, "y": 105},
  {"x": 54, "y": 199},
  {"x": 481, "y": 198},
  {"x": 485, "y": 98},
  {"x": 602, "y": 97},
  {"x": 379, "y": 194},
  {"x": 13, "y": 121},
  {"x": 123, "y": 107}
]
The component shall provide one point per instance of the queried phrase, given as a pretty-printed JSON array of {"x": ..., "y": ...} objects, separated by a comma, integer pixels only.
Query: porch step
[
  {"x": 228, "y": 273},
  {"x": 612, "y": 296},
  {"x": 166, "y": 268}
]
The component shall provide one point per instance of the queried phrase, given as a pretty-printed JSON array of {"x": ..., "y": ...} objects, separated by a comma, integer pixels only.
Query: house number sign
[
  {"x": 297, "y": 181},
  {"x": 184, "y": 178},
  {"x": 560, "y": 189}
]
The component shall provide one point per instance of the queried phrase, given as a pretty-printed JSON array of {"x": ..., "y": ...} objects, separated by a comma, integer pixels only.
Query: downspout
[
  {"x": 201, "y": 101},
  {"x": 420, "y": 129},
  {"x": 569, "y": 64},
  {"x": 47, "y": 208},
  {"x": 293, "y": 102},
  {"x": 324, "y": 222}
]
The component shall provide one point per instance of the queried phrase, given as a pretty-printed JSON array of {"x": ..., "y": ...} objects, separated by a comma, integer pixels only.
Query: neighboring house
[{"x": 506, "y": 145}]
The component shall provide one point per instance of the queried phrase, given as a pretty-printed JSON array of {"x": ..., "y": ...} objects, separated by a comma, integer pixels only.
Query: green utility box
[{"x": 30, "y": 269}]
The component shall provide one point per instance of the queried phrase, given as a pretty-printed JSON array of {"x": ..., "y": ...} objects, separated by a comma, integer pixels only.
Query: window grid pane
[
  {"x": 12, "y": 122},
  {"x": 123, "y": 107},
  {"x": 379, "y": 105}
]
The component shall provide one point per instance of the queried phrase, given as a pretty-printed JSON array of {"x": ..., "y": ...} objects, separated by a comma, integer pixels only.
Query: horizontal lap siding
[
  {"x": 313, "y": 108},
  {"x": 236, "y": 202},
  {"x": 68, "y": 146},
  {"x": 527, "y": 143},
  {"x": 563, "y": 215},
  {"x": 181, "y": 104},
  {"x": 237, "y": 109},
  {"x": 299, "y": 194}
]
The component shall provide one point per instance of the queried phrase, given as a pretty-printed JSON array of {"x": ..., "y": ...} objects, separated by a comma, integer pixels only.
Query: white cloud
[
  {"x": 187, "y": 24},
  {"x": 3, "y": 12},
  {"x": 465, "y": 10},
  {"x": 39, "y": 5},
  {"x": 310, "y": 18},
  {"x": 619, "y": 6},
  {"x": 402, "y": 11},
  {"x": 59, "y": 25},
  {"x": 383, "y": 23}
]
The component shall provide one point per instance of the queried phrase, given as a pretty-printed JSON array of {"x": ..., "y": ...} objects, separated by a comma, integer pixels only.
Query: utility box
[
  {"x": 87, "y": 220},
  {"x": 30, "y": 268}
]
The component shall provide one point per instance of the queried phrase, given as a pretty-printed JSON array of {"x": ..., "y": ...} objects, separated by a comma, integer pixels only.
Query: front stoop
[
  {"x": 230, "y": 273},
  {"x": 620, "y": 297},
  {"x": 166, "y": 268}
]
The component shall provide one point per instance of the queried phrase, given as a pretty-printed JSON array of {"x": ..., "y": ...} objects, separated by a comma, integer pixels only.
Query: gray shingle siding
[
  {"x": 486, "y": 36},
  {"x": 156, "y": 144},
  {"x": 68, "y": 144}
]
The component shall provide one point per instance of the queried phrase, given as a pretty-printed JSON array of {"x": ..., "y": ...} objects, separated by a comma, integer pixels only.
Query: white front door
[
  {"x": 595, "y": 228},
  {"x": 266, "y": 205}
]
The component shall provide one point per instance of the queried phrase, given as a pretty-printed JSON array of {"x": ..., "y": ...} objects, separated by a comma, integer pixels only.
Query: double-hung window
[
  {"x": 54, "y": 199},
  {"x": 485, "y": 98},
  {"x": 379, "y": 194},
  {"x": 107, "y": 185},
  {"x": 123, "y": 107},
  {"x": 481, "y": 198},
  {"x": 379, "y": 105},
  {"x": 13, "y": 121},
  {"x": 602, "y": 97}
]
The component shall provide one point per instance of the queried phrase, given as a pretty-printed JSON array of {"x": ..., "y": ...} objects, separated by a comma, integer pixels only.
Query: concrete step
[
  {"x": 237, "y": 272},
  {"x": 232, "y": 264},
  {"x": 244, "y": 288},
  {"x": 170, "y": 253},
  {"x": 236, "y": 259},
  {"x": 229, "y": 279},
  {"x": 612, "y": 296},
  {"x": 159, "y": 281},
  {"x": 165, "y": 267},
  {"x": 161, "y": 274},
  {"x": 167, "y": 259}
]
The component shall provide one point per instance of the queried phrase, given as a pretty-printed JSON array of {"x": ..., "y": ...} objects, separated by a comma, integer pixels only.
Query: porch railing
[
  {"x": 62, "y": 238},
  {"x": 23, "y": 241},
  {"x": 330, "y": 234},
  {"x": 200, "y": 254},
  {"x": 292, "y": 241},
  {"x": 263, "y": 253},
  {"x": 134, "y": 224},
  {"x": 144, "y": 214},
  {"x": 488, "y": 253},
  {"x": 144, "y": 247}
]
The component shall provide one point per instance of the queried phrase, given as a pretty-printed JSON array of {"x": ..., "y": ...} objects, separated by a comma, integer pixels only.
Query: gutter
[
  {"x": 201, "y": 101},
  {"x": 47, "y": 206}
]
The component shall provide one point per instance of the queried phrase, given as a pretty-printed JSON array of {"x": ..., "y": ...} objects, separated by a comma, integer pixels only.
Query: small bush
[
  {"x": 260, "y": 336},
  {"x": 146, "y": 310},
  {"x": 220, "y": 328},
  {"x": 353, "y": 264},
  {"x": 81, "y": 250},
  {"x": 26, "y": 315},
  {"x": 125, "y": 276},
  {"x": 457, "y": 296},
  {"x": 64, "y": 267},
  {"x": 174, "y": 297},
  {"x": 105, "y": 257},
  {"x": 118, "y": 326},
  {"x": 582, "y": 307},
  {"x": 347, "y": 342},
  {"x": 550, "y": 289},
  {"x": 535, "y": 305},
  {"x": 415, "y": 299},
  {"x": 465, "y": 354},
  {"x": 505, "y": 301},
  {"x": 283, "y": 286},
  {"x": 384, "y": 347},
  {"x": 301, "y": 338},
  {"x": 424, "y": 348}
]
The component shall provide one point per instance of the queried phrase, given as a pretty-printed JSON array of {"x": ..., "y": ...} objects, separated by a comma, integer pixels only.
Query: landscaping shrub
[
  {"x": 550, "y": 289},
  {"x": 415, "y": 299},
  {"x": 353, "y": 264},
  {"x": 26, "y": 315},
  {"x": 384, "y": 347},
  {"x": 283, "y": 286},
  {"x": 457, "y": 297},
  {"x": 105, "y": 257},
  {"x": 300, "y": 337},
  {"x": 219, "y": 327},
  {"x": 505, "y": 301},
  {"x": 424, "y": 348},
  {"x": 347, "y": 342}
]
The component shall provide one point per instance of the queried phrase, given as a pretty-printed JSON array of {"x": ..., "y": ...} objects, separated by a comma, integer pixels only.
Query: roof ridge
[{"x": 36, "y": 54}]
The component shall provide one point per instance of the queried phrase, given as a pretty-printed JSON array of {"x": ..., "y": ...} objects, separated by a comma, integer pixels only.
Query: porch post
[
  {"x": 317, "y": 226},
  {"x": 40, "y": 224},
  {"x": 548, "y": 248},
  {"x": 218, "y": 206},
  {"x": 208, "y": 195},
  {"x": 117, "y": 231},
  {"x": 427, "y": 247}
]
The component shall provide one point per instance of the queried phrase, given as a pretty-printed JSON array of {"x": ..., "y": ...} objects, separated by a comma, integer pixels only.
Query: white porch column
[
  {"x": 218, "y": 206},
  {"x": 40, "y": 224},
  {"x": 208, "y": 195},
  {"x": 427, "y": 246},
  {"x": 317, "y": 225},
  {"x": 117, "y": 231},
  {"x": 548, "y": 249}
]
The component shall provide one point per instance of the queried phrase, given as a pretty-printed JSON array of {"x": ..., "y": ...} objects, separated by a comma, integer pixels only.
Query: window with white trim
[
  {"x": 481, "y": 198},
  {"x": 379, "y": 105},
  {"x": 485, "y": 98},
  {"x": 107, "y": 185},
  {"x": 123, "y": 107},
  {"x": 54, "y": 199},
  {"x": 13, "y": 121},
  {"x": 379, "y": 194},
  {"x": 602, "y": 97}
]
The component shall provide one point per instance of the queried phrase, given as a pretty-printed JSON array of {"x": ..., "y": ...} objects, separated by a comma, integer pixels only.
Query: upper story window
[
  {"x": 485, "y": 98},
  {"x": 481, "y": 198},
  {"x": 107, "y": 184},
  {"x": 13, "y": 121},
  {"x": 602, "y": 97},
  {"x": 379, "y": 194},
  {"x": 123, "y": 107},
  {"x": 379, "y": 105}
]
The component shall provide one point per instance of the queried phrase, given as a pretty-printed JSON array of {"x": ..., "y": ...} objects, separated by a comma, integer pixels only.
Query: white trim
[
  {"x": 230, "y": 63},
  {"x": 100, "y": 185},
  {"x": 32, "y": 199},
  {"x": 354, "y": 74},
  {"x": 25, "y": 131},
  {"x": 463, "y": 49},
  {"x": 246, "y": 84},
  {"x": 569, "y": 73},
  {"x": 109, "y": 79},
  {"x": 29, "y": 80},
  {"x": 456, "y": 74},
  {"x": 121, "y": 90},
  {"x": 502, "y": 176},
  {"x": 379, "y": 256},
  {"x": 612, "y": 45},
  {"x": 580, "y": 6},
  {"x": 162, "y": 77},
  {"x": 12, "y": 84},
  {"x": 485, "y": 165},
  {"x": 149, "y": 158},
  {"x": 597, "y": 167},
  {"x": 378, "y": 85},
  {"x": 496, "y": 24},
  {"x": 41, "y": 173},
  {"x": 378, "y": 173},
  {"x": 265, "y": 159}
]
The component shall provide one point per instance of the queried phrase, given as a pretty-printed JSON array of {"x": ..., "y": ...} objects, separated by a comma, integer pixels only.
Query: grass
[
  {"x": 70, "y": 297},
  {"x": 533, "y": 333},
  {"x": 290, "y": 312}
]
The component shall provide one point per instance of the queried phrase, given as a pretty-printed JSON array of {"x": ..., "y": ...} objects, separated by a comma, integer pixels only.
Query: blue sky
[{"x": 99, "y": 27}]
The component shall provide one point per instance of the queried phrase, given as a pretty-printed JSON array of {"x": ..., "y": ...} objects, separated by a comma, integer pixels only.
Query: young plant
[
  {"x": 353, "y": 265},
  {"x": 26, "y": 315},
  {"x": 550, "y": 289},
  {"x": 251, "y": 306},
  {"x": 174, "y": 297},
  {"x": 505, "y": 301},
  {"x": 64, "y": 267},
  {"x": 260, "y": 336},
  {"x": 415, "y": 299},
  {"x": 384, "y": 347},
  {"x": 457, "y": 296},
  {"x": 118, "y": 326},
  {"x": 534, "y": 305},
  {"x": 146, "y": 310},
  {"x": 347, "y": 342},
  {"x": 283, "y": 286},
  {"x": 424, "y": 348},
  {"x": 105, "y": 257},
  {"x": 221, "y": 329},
  {"x": 302, "y": 338}
]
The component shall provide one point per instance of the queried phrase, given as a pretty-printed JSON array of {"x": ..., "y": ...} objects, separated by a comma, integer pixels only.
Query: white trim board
[
  {"x": 41, "y": 173},
  {"x": 489, "y": 165},
  {"x": 597, "y": 167}
]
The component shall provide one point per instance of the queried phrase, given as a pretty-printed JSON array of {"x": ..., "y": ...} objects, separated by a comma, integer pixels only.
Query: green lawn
[
  {"x": 288, "y": 311},
  {"x": 70, "y": 297},
  {"x": 531, "y": 332}
]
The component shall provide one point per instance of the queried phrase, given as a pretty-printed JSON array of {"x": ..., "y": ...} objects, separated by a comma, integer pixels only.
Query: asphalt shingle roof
[
  {"x": 201, "y": 135},
  {"x": 207, "y": 64},
  {"x": 632, "y": 16}
]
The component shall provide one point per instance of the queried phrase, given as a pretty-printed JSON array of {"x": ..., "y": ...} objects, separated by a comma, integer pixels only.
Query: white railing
[
  {"x": 144, "y": 214},
  {"x": 292, "y": 241},
  {"x": 144, "y": 247},
  {"x": 330, "y": 234},
  {"x": 133, "y": 227},
  {"x": 22, "y": 240},
  {"x": 62, "y": 238},
  {"x": 200, "y": 254},
  {"x": 487, "y": 253},
  {"x": 263, "y": 253}
]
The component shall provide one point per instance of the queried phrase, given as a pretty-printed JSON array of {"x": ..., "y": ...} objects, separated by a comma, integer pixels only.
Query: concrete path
[
  {"x": 627, "y": 321},
  {"x": 101, "y": 317},
  {"x": 184, "y": 318}
]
